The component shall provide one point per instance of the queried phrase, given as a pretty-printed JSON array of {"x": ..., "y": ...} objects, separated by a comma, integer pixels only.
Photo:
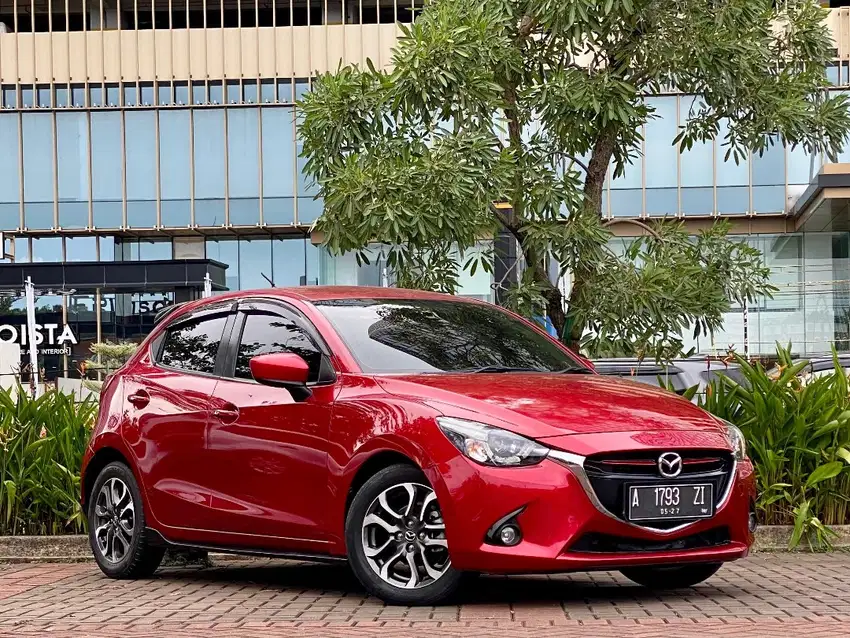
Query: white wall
[{"x": 10, "y": 362}]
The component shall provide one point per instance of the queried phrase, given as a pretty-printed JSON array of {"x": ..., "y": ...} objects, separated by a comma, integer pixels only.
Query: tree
[
  {"x": 528, "y": 103},
  {"x": 108, "y": 357}
]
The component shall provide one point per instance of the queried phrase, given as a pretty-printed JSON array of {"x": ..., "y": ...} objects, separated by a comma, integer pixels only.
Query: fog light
[
  {"x": 753, "y": 522},
  {"x": 509, "y": 535}
]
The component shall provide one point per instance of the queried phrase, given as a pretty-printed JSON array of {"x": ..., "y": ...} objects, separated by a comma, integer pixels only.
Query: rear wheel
[
  {"x": 117, "y": 530},
  {"x": 396, "y": 539},
  {"x": 672, "y": 577}
]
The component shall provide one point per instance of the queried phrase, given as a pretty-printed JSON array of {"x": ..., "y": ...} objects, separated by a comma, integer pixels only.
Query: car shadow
[{"x": 582, "y": 587}]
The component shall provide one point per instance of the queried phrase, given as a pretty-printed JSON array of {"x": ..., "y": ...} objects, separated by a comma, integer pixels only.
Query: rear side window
[
  {"x": 267, "y": 333},
  {"x": 192, "y": 345}
]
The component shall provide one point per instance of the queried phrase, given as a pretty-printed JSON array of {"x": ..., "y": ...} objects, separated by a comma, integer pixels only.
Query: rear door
[
  {"x": 268, "y": 451},
  {"x": 167, "y": 405}
]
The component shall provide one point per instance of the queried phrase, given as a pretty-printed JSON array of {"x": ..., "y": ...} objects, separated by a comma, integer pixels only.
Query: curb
[{"x": 74, "y": 549}]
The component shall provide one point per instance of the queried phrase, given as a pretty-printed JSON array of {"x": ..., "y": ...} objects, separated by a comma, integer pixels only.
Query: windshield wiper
[
  {"x": 497, "y": 369},
  {"x": 574, "y": 371}
]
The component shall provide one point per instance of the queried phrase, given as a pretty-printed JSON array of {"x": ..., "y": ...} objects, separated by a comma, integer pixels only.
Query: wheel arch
[
  {"x": 377, "y": 461},
  {"x": 103, "y": 457}
]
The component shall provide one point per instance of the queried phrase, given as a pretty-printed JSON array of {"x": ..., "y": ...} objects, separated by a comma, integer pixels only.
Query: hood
[{"x": 543, "y": 405}]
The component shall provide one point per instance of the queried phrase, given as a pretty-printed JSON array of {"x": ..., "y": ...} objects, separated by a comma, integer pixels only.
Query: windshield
[{"x": 404, "y": 335}]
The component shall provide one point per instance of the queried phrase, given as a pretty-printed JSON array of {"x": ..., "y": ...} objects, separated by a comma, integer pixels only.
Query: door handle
[
  {"x": 139, "y": 399},
  {"x": 226, "y": 415}
]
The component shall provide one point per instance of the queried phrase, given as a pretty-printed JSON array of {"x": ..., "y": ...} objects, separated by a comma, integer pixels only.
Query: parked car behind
[
  {"x": 818, "y": 366},
  {"x": 680, "y": 374}
]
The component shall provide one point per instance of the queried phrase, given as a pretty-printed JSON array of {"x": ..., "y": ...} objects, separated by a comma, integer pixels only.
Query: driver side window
[{"x": 269, "y": 333}]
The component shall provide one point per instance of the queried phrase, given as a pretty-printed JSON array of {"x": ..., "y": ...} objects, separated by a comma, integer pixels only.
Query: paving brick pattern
[{"x": 764, "y": 595}]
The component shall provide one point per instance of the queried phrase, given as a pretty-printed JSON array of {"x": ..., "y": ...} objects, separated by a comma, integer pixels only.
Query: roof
[{"x": 327, "y": 293}]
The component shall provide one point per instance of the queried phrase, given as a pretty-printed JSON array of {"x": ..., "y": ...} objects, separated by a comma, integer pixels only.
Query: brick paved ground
[{"x": 764, "y": 595}]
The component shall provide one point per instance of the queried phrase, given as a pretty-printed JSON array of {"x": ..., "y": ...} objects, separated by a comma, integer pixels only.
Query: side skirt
[{"x": 159, "y": 540}]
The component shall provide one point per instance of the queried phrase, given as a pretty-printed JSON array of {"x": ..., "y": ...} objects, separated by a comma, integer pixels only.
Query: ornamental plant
[
  {"x": 41, "y": 448},
  {"x": 798, "y": 437}
]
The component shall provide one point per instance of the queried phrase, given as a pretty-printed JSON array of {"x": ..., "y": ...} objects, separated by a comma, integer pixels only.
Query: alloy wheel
[
  {"x": 114, "y": 520},
  {"x": 404, "y": 536}
]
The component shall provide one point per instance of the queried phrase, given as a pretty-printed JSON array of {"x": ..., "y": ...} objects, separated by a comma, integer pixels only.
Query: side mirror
[{"x": 282, "y": 369}]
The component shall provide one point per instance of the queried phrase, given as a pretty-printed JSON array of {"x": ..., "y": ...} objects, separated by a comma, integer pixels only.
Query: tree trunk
[{"x": 594, "y": 183}]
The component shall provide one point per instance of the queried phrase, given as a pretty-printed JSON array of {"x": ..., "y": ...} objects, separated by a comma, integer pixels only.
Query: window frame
[
  {"x": 327, "y": 374},
  {"x": 207, "y": 312}
]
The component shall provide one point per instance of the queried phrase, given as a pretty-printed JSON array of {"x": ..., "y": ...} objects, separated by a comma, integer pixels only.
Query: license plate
[{"x": 662, "y": 502}]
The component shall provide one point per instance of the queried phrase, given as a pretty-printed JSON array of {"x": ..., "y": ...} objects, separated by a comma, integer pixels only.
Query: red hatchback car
[{"x": 418, "y": 436}]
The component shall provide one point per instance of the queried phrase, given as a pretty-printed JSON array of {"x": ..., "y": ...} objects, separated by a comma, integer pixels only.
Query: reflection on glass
[
  {"x": 72, "y": 137},
  {"x": 243, "y": 165},
  {"x": 193, "y": 345},
  {"x": 38, "y": 170},
  {"x": 174, "y": 170},
  {"x": 9, "y": 189},
  {"x": 226, "y": 251},
  {"x": 696, "y": 165},
  {"x": 697, "y": 201},
  {"x": 199, "y": 93},
  {"x": 624, "y": 202},
  {"x": 270, "y": 334},
  {"x": 234, "y": 95},
  {"x": 209, "y": 148},
  {"x": 146, "y": 89},
  {"x": 255, "y": 263},
  {"x": 106, "y": 161},
  {"x": 769, "y": 199},
  {"x": 130, "y": 95},
  {"x": 154, "y": 249},
  {"x": 733, "y": 200},
  {"x": 249, "y": 92},
  {"x": 140, "y": 140},
  {"x": 46, "y": 249},
  {"x": 288, "y": 257},
  {"x": 278, "y": 164},
  {"x": 216, "y": 93},
  {"x": 440, "y": 336},
  {"x": 43, "y": 96}
]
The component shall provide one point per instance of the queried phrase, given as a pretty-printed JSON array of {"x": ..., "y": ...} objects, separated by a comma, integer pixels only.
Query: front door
[
  {"x": 268, "y": 452},
  {"x": 167, "y": 399}
]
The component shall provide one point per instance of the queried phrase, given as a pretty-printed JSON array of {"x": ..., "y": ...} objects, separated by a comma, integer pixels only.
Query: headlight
[
  {"x": 736, "y": 440},
  {"x": 491, "y": 446}
]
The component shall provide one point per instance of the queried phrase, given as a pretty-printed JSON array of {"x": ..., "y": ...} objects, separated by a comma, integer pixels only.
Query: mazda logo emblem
[{"x": 670, "y": 465}]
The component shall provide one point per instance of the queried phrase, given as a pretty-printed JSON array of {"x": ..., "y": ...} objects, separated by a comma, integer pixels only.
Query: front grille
[
  {"x": 596, "y": 543},
  {"x": 610, "y": 474}
]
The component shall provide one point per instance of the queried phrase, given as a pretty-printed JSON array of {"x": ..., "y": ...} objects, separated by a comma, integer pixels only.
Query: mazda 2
[{"x": 417, "y": 436}]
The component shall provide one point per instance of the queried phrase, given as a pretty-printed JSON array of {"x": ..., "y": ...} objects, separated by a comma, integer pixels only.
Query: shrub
[
  {"x": 798, "y": 437},
  {"x": 41, "y": 447}
]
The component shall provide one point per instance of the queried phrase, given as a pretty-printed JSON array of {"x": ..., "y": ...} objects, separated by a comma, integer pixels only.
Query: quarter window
[
  {"x": 267, "y": 333},
  {"x": 193, "y": 345}
]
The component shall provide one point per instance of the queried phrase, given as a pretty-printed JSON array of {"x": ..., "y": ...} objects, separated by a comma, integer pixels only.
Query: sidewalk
[{"x": 760, "y": 596}]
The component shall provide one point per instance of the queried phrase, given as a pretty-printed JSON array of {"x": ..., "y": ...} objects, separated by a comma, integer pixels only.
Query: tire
[
  {"x": 117, "y": 533},
  {"x": 386, "y": 572},
  {"x": 672, "y": 577}
]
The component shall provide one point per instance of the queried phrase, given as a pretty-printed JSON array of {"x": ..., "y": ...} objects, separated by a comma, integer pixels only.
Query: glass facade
[
  {"x": 702, "y": 182},
  {"x": 207, "y": 167},
  {"x": 207, "y": 164}
]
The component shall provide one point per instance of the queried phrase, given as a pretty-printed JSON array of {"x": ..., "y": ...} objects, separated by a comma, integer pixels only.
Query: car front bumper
[{"x": 559, "y": 512}]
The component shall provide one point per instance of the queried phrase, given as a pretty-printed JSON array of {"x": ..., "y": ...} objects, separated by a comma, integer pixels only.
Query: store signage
[{"x": 57, "y": 338}]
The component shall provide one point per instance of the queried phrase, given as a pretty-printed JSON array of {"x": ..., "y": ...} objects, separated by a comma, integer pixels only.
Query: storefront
[{"x": 81, "y": 303}]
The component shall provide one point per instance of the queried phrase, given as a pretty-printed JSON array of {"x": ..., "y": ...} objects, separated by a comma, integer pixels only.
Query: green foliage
[
  {"x": 41, "y": 447},
  {"x": 528, "y": 102},
  {"x": 798, "y": 437}
]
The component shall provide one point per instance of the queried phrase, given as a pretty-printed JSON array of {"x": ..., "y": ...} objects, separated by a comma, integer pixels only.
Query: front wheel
[
  {"x": 672, "y": 577},
  {"x": 117, "y": 526},
  {"x": 396, "y": 539}
]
